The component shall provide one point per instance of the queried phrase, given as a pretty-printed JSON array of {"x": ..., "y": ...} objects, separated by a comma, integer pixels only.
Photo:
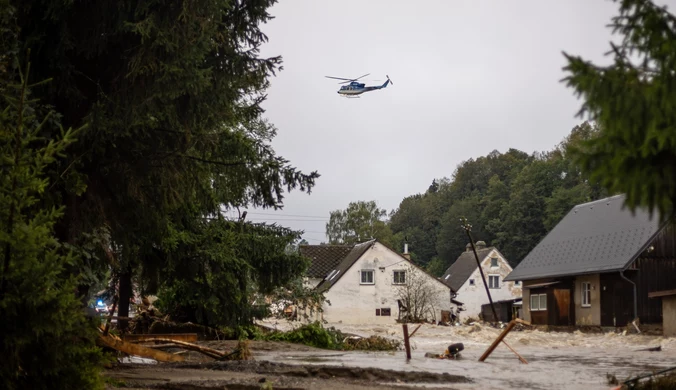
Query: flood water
[{"x": 556, "y": 360}]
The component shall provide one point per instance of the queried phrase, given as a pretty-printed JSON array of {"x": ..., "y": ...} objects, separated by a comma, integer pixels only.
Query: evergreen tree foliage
[
  {"x": 46, "y": 341},
  {"x": 359, "y": 222},
  {"x": 171, "y": 92},
  {"x": 217, "y": 264},
  {"x": 634, "y": 102}
]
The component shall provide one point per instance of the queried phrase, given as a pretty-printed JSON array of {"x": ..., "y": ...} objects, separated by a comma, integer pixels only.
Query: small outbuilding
[{"x": 668, "y": 310}]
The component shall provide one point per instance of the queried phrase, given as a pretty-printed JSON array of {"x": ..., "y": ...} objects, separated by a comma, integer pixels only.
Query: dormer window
[{"x": 494, "y": 262}]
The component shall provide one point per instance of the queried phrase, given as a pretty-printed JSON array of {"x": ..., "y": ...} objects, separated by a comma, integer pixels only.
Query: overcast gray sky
[{"x": 469, "y": 77}]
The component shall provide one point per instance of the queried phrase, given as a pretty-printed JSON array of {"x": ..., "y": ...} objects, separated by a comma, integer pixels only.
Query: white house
[
  {"x": 464, "y": 277},
  {"x": 373, "y": 284}
]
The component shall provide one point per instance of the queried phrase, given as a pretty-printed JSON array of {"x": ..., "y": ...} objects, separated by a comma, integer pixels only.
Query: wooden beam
[
  {"x": 501, "y": 338},
  {"x": 205, "y": 350},
  {"x": 497, "y": 341},
  {"x": 406, "y": 342},
  {"x": 137, "y": 350},
  {"x": 663, "y": 293},
  {"x": 414, "y": 330},
  {"x": 516, "y": 353},
  {"x": 187, "y": 337}
]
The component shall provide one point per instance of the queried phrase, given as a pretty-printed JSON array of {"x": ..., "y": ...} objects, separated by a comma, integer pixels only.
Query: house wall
[
  {"x": 669, "y": 315},
  {"x": 588, "y": 315},
  {"x": 311, "y": 282},
  {"x": 474, "y": 296},
  {"x": 526, "y": 296},
  {"x": 355, "y": 303}
]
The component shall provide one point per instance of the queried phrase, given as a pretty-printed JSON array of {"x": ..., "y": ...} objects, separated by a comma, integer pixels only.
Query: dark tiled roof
[
  {"x": 463, "y": 268},
  {"x": 599, "y": 236},
  {"x": 354, "y": 255},
  {"x": 324, "y": 258}
]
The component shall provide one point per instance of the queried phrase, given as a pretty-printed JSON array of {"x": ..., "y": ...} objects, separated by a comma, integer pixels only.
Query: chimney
[
  {"x": 406, "y": 254},
  {"x": 478, "y": 245}
]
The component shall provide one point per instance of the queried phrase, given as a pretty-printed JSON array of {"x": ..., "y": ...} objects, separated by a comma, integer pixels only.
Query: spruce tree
[
  {"x": 46, "y": 342},
  {"x": 634, "y": 102},
  {"x": 171, "y": 92}
]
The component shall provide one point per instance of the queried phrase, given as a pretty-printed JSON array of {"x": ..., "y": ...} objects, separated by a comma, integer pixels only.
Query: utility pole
[{"x": 468, "y": 229}]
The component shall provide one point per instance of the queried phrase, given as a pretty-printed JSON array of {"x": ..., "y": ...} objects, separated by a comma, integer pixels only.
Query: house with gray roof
[
  {"x": 323, "y": 258},
  {"x": 464, "y": 277},
  {"x": 370, "y": 283},
  {"x": 597, "y": 266}
]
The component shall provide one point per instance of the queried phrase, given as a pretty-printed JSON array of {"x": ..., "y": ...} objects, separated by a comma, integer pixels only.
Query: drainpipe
[{"x": 635, "y": 301}]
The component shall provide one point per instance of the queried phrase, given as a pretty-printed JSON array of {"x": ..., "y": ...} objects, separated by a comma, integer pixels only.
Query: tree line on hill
[{"x": 512, "y": 200}]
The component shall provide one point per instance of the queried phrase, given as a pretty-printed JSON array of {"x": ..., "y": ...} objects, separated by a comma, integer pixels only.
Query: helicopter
[{"x": 355, "y": 88}]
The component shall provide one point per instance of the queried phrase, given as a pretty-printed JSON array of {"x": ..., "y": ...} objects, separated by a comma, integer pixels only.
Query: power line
[
  {"x": 289, "y": 215},
  {"x": 285, "y": 220}
]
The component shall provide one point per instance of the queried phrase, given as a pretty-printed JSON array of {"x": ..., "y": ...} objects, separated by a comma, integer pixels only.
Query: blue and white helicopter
[{"x": 355, "y": 88}]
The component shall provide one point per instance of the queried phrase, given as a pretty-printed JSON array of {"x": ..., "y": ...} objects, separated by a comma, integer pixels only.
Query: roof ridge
[{"x": 597, "y": 201}]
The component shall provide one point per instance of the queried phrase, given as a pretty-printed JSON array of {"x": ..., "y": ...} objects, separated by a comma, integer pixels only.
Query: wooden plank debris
[
  {"x": 137, "y": 350},
  {"x": 194, "y": 347},
  {"x": 187, "y": 337},
  {"x": 500, "y": 339}
]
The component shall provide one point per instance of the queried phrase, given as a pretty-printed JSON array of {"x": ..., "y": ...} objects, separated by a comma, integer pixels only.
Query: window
[
  {"x": 367, "y": 276},
  {"x": 586, "y": 294},
  {"x": 399, "y": 277},
  {"x": 385, "y": 311},
  {"x": 471, "y": 282},
  {"x": 493, "y": 281},
  {"x": 378, "y": 312},
  {"x": 517, "y": 283},
  {"x": 494, "y": 262},
  {"x": 538, "y": 302}
]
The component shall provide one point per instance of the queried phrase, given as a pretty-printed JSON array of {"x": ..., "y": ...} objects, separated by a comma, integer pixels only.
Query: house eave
[{"x": 565, "y": 274}]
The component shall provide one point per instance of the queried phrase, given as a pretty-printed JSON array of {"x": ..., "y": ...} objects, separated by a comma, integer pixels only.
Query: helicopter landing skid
[{"x": 352, "y": 97}]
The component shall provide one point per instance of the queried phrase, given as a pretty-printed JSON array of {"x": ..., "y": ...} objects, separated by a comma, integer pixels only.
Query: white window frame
[
  {"x": 496, "y": 262},
  {"x": 394, "y": 276},
  {"x": 539, "y": 299},
  {"x": 366, "y": 271},
  {"x": 586, "y": 294},
  {"x": 490, "y": 282}
]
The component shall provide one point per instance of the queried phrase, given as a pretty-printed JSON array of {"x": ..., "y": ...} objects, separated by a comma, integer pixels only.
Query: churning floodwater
[{"x": 556, "y": 360}]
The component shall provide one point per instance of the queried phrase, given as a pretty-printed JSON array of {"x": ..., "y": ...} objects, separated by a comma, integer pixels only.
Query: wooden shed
[
  {"x": 505, "y": 309},
  {"x": 668, "y": 310}
]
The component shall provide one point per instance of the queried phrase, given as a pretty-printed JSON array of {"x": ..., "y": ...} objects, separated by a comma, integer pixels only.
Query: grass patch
[{"x": 315, "y": 335}]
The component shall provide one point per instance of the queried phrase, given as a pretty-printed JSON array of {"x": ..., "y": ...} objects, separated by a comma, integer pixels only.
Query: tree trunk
[{"x": 125, "y": 296}]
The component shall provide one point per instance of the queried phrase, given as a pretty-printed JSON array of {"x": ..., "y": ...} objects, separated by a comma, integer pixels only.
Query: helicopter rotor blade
[
  {"x": 338, "y": 78},
  {"x": 346, "y": 80}
]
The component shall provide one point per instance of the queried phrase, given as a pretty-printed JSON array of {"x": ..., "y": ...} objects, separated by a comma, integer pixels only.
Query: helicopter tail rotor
[{"x": 388, "y": 77}]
